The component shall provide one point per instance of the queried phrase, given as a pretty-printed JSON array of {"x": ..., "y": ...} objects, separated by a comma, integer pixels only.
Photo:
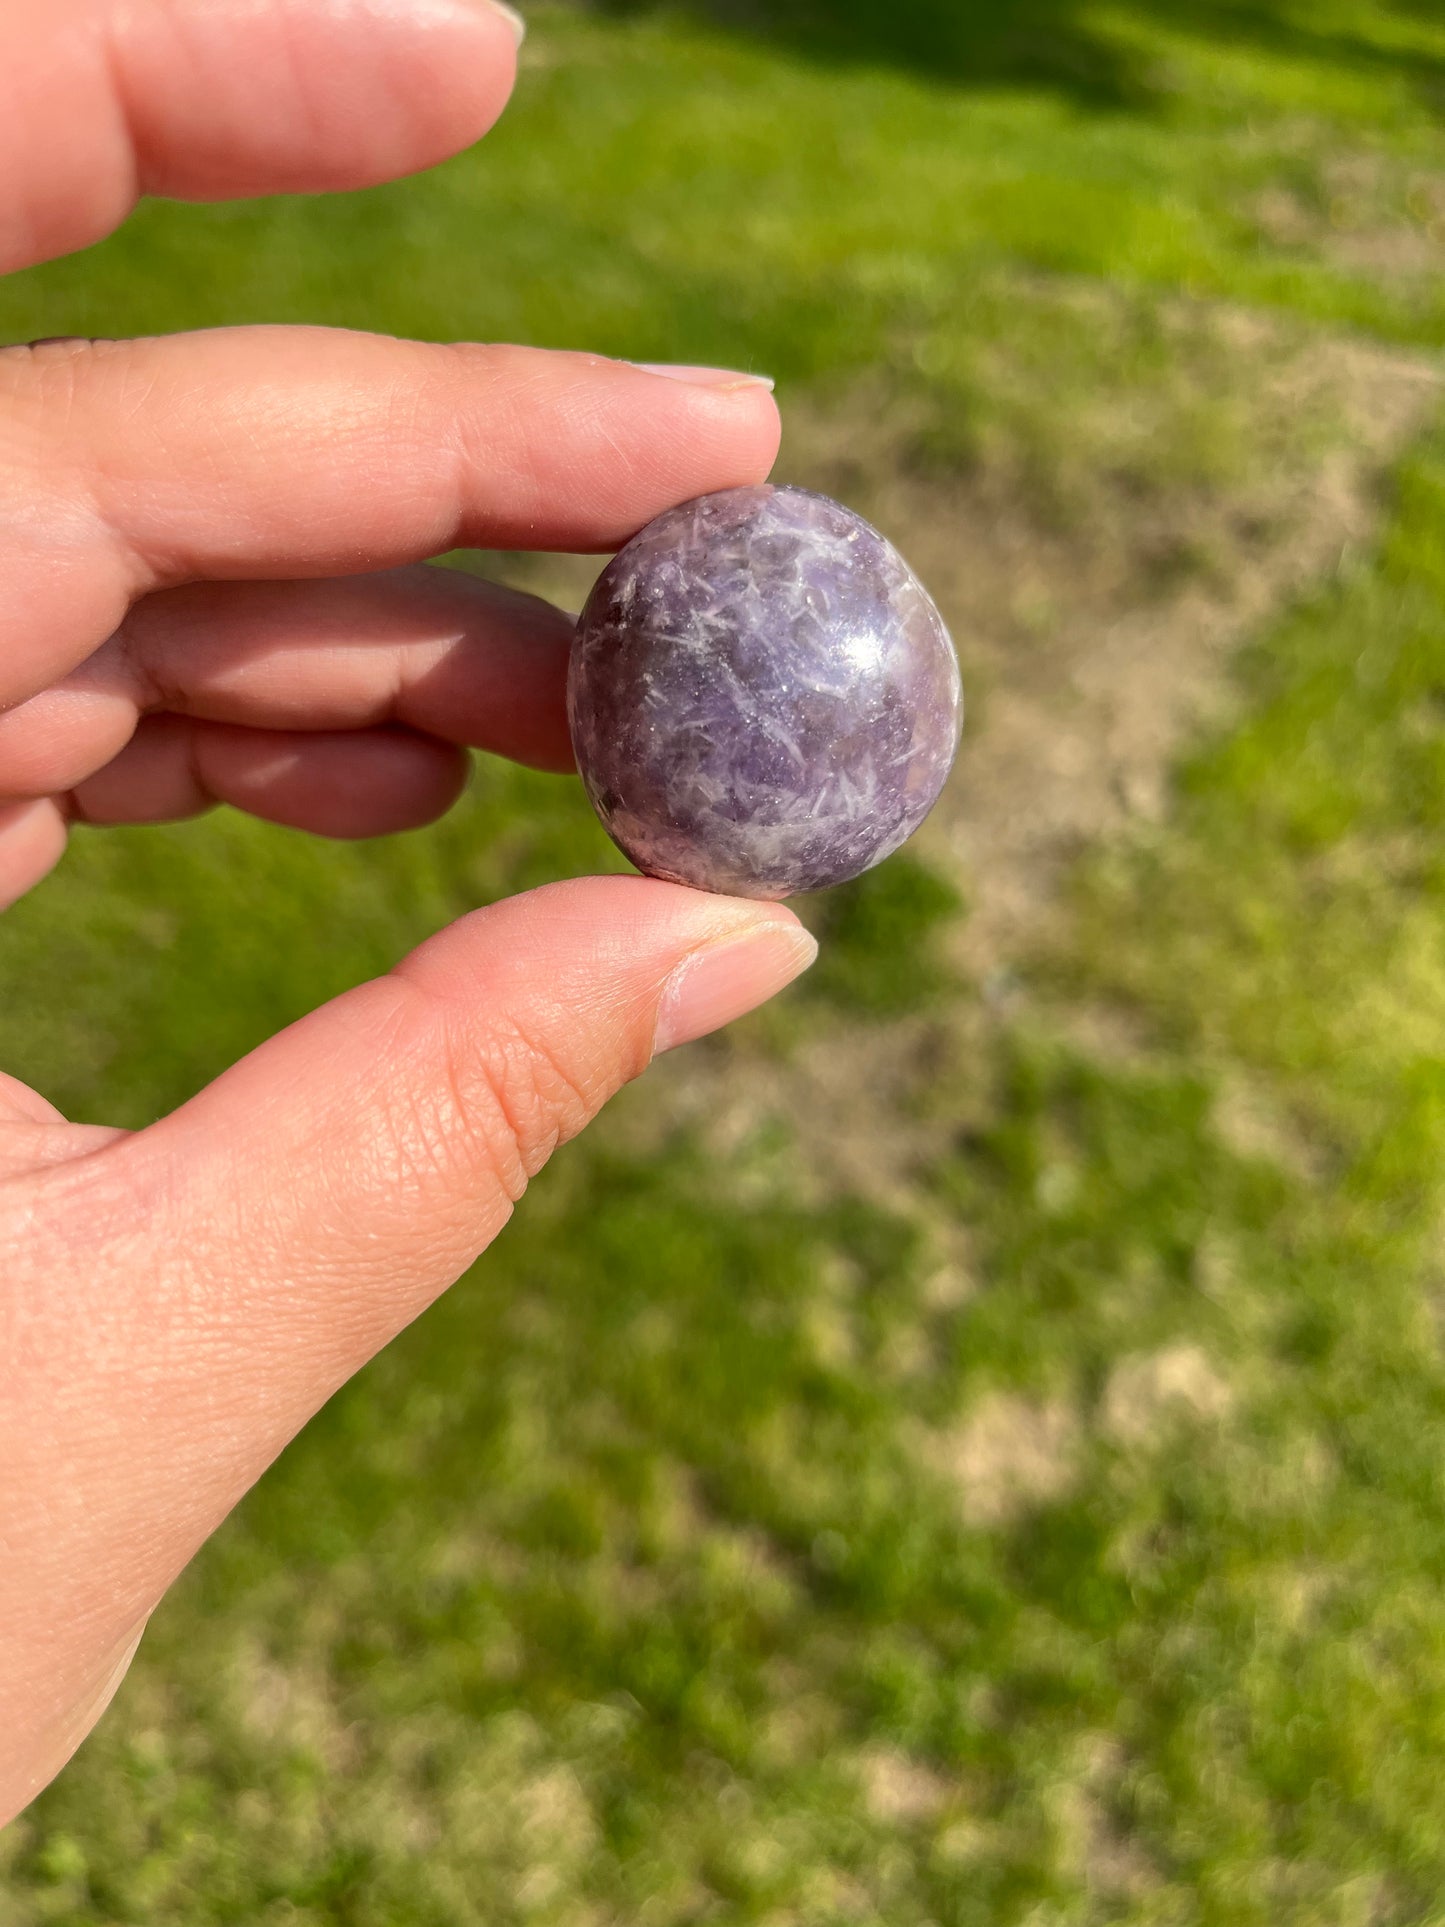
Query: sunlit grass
[{"x": 1060, "y": 1541}]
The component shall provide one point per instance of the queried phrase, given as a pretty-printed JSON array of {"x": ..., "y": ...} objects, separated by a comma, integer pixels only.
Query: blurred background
[{"x": 969, "y": 1447}]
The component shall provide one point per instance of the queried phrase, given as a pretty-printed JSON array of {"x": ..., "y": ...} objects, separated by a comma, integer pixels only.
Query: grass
[{"x": 1054, "y": 1536}]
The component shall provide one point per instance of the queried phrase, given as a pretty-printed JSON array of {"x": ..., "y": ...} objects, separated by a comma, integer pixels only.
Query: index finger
[{"x": 101, "y": 102}]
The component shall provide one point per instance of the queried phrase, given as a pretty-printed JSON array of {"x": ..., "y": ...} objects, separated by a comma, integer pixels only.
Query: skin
[{"x": 208, "y": 551}]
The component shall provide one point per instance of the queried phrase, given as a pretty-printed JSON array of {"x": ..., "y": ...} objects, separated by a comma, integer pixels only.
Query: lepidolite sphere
[{"x": 763, "y": 697}]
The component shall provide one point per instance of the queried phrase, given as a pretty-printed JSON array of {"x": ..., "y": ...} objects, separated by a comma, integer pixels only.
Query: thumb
[
  {"x": 191, "y": 1295},
  {"x": 332, "y": 1184}
]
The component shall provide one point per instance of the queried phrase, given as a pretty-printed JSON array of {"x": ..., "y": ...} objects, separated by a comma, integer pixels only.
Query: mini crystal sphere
[{"x": 763, "y": 697}]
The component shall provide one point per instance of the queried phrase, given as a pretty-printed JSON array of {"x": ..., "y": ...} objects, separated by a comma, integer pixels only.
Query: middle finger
[{"x": 431, "y": 649}]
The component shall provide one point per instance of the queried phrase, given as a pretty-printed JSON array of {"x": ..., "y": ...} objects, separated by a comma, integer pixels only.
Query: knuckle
[
  {"x": 501, "y": 1101},
  {"x": 44, "y": 455},
  {"x": 518, "y": 1095},
  {"x": 42, "y": 377},
  {"x": 55, "y": 391}
]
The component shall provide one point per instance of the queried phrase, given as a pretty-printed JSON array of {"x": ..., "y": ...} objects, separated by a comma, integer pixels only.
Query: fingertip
[
  {"x": 21, "y": 1105},
  {"x": 726, "y": 979},
  {"x": 305, "y": 96},
  {"x": 729, "y": 423},
  {"x": 516, "y": 25},
  {"x": 231, "y": 98},
  {"x": 32, "y": 842},
  {"x": 621, "y": 939},
  {"x": 625, "y": 442}
]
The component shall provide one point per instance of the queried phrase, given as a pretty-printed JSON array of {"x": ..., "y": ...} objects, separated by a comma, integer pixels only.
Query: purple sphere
[{"x": 763, "y": 697}]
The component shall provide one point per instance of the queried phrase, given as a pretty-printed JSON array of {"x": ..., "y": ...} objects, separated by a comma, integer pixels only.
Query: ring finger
[{"x": 367, "y": 782}]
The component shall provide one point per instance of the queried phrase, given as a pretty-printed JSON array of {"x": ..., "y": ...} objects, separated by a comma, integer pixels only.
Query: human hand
[{"x": 207, "y": 551}]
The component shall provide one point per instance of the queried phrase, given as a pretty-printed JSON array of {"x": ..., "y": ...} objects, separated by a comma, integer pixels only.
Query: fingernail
[
  {"x": 513, "y": 19},
  {"x": 77, "y": 1720},
  {"x": 727, "y": 979},
  {"x": 706, "y": 377}
]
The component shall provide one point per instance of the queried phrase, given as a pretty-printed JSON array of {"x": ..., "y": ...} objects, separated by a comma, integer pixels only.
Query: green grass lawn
[{"x": 1041, "y": 1517}]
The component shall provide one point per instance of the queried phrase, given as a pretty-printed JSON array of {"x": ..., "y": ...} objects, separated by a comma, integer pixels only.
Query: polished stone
[{"x": 763, "y": 697}]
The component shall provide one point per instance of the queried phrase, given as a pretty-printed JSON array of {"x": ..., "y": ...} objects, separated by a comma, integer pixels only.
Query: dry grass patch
[
  {"x": 1146, "y": 1395},
  {"x": 900, "y": 1791},
  {"x": 1006, "y": 1455},
  {"x": 1097, "y": 614}
]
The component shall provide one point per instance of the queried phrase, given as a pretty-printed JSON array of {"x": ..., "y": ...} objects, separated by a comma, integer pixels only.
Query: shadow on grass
[{"x": 1060, "y": 46}]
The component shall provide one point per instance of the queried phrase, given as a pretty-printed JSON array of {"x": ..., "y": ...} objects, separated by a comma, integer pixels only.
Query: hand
[{"x": 182, "y": 621}]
